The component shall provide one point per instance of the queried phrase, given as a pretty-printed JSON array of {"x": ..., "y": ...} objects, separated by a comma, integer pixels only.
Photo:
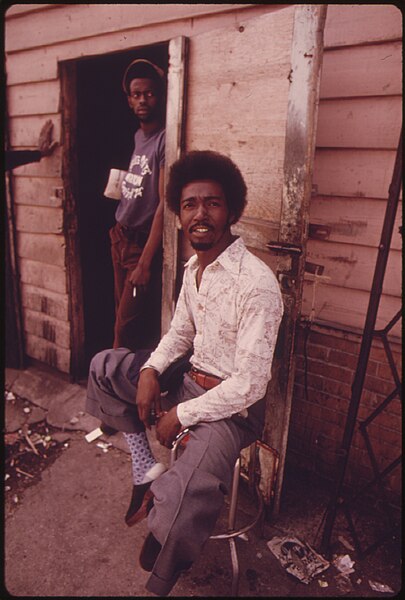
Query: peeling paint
[
  {"x": 44, "y": 304},
  {"x": 48, "y": 331},
  {"x": 349, "y": 227},
  {"x": 51, "y": 357},
  {"x": 344, "y": 259}
]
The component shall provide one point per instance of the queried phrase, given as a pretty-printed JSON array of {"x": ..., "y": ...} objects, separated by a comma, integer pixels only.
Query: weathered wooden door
[{"x": 250, "y": 91}]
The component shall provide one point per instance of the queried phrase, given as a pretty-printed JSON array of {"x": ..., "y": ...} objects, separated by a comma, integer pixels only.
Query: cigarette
[{"x": 134, "y": 292}]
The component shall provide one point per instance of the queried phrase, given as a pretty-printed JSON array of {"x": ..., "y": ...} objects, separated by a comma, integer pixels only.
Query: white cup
[{"x": 113, "y": 187}]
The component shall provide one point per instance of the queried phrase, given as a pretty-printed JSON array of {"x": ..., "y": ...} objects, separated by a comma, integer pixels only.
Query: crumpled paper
[
  {"x": 344, "y": 564},
  {"x": 380, "y": 587}
]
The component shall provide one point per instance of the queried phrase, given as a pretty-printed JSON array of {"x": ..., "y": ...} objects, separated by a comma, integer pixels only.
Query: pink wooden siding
[
  {"x": 359, "y": 124},
  {"x": 358, "y": 129}
]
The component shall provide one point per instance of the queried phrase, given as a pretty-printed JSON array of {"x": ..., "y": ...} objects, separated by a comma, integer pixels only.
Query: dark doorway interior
[{"x": 105, "y": 130}]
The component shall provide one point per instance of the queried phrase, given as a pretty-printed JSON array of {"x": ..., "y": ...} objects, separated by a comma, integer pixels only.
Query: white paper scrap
[{"x": 93, "y": 435}]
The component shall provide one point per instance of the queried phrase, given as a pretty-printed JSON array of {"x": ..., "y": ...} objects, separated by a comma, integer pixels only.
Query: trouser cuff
[{"x": 161, "y": 587}]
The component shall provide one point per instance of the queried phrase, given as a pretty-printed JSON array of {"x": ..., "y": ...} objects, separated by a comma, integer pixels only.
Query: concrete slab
[
  {"x": 68, "y": 537},
  {"x": 14, "y": 415},
  {"x": 66, "y": 412},
  {"x": 10, "y": 375},
  {"x": 41, "y": 387},
  {"x": 36, "y": 415},
  {"x": 17, "y": 414}
]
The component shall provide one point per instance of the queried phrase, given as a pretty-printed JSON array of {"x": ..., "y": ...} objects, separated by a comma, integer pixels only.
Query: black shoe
[
  {"x": 107, "y": 430},
  {"x": 149, "y": 553},
  {"x": 140, "y": 505}
]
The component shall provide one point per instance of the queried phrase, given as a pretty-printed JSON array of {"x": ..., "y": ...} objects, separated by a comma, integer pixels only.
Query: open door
[
  {"x": 98, "y": 129},
  {"x": 251, "y": 92}
]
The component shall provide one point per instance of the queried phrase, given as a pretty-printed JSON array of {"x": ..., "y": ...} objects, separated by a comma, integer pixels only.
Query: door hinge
[{"x": 284, "y": 248}]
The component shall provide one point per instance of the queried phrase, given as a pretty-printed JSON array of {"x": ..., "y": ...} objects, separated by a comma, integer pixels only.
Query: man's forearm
[
  {"x": 156, "y": 232},
  {"x": 17, "y": 158},
  {"x": 154, "y": 239},
  {"x": 148, "y": 394}
]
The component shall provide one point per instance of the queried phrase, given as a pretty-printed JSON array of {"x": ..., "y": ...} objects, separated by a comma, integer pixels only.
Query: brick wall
[{"x": 321, "y": 399}]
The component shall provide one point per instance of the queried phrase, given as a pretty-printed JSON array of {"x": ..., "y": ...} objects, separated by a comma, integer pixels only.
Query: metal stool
[{"x": 232, "y": 532}]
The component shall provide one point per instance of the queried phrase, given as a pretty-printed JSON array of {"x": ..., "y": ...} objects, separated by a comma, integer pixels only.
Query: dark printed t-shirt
[{"x": 140, "y": 188}]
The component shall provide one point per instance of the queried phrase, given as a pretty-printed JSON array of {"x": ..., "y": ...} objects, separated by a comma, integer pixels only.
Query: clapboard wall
[
  {"x": 359, "y": 125},
  {"x": 358, "y": 131}
]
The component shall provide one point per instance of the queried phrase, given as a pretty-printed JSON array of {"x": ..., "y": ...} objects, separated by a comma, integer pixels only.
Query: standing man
[
  {"x": 229, "y": 311},
  {"x": 136, "y": 238}
]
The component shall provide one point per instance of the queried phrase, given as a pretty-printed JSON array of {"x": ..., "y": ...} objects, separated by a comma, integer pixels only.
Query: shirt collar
[{"x": 229, "y": 259}]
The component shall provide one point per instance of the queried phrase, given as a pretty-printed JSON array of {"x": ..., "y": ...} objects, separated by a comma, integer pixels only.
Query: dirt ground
[{"x": 65, "y": 536}]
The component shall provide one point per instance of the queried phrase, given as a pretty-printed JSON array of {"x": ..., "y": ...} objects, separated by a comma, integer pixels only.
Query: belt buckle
[{"x": 194, "y": 374}]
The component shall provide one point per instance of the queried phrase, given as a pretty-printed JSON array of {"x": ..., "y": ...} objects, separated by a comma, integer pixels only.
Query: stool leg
[
  {"x": 234, "y": 496},
  {"x": 176, "y": 444},
  {"x": 231, "y": 526},
  {"x": 232, "y": 511},
  {"x": 235, "y": 567}
]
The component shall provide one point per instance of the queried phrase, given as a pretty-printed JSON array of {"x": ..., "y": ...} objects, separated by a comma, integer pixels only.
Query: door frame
[
  {"x": 68, "y": 78},
  {"x": 302, "y": 112},
  {"x": 175, "y": 136}
]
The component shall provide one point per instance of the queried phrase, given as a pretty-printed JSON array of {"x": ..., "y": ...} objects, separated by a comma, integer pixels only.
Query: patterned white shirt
[{"x": 232, "y": 321}]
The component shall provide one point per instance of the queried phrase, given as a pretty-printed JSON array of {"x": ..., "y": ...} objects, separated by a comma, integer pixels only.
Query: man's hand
[
  {"x": 167, "y": 428},
  {"x": 148, "y": 395},
  {"x": 140, "y": 276}
]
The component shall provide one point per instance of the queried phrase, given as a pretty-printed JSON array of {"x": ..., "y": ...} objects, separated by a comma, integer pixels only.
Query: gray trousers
[{"x": 189, "y": 496}]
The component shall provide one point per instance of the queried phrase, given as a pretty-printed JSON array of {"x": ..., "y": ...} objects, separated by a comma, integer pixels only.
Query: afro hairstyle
[{"x": 200, "y": 165}]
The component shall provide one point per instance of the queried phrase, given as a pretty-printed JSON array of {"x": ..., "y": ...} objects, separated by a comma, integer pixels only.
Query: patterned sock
[{"x": 142, "y": 457}]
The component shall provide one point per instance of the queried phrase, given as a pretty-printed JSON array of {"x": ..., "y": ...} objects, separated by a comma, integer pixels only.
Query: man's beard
[
  {"x": 201, "y": 245},
  {"x": 149, "y": 117}
]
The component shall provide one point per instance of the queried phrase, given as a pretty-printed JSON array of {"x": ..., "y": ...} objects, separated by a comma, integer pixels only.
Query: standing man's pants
[
  {"x": 189, "y": 496},
  {"x": 137, "y": 320}
]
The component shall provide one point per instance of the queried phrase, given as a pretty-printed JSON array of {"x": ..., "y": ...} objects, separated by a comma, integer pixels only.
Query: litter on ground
[
  {"x": 298, "y": 558},
  {"x": 93, "y": 435},
  {"x": 380, "y": 587},
  {"x": 344, "y": 583},
  {"x": 344, "y": 564},
  {"x": 104, "y": 446},
  {"x": 345, "y": 543}
]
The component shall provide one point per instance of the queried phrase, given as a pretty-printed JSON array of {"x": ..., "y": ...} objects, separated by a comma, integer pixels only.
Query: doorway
[{"x": 105, "y": 128}]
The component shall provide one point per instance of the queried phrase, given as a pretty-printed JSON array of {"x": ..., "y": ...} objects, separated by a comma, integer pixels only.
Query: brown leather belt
[{"x": 205, "y": 380}]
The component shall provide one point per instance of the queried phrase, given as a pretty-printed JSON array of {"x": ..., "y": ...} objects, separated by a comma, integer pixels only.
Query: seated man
[{"x": 228, "y": 314}]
